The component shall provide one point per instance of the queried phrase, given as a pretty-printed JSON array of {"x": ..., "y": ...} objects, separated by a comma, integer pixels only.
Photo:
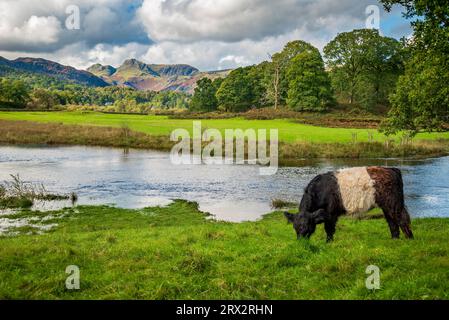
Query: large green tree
[
  {"x": 364, "y": 66},
  {"x": 204, "y": 98},
  {"x": 309, "y": 86},
  {"x": 421, "y": 100},
  {"x": 43, "y": 99},
  {"x": 276, "y": 80},
  {"x": 238, "y": 91},
  {"x": 14, "y": 91}
]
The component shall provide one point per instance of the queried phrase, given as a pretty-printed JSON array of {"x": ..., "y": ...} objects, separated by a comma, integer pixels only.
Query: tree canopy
[
  {"x": 309, "y": 87},
  {"x": 364, "y": 66},
  {"x": 237, "y": 92},
  {"x": 421, "y": 99}
]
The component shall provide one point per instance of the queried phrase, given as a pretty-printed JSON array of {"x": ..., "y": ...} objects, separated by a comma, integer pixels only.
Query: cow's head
[{"x": 305, "y": 222}]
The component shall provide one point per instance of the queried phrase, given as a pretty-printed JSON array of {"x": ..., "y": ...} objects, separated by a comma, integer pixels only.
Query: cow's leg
[
  {"x": 329, "y": 227},
  {"x": 394, "y": 226},
  {"x": 390, "y": 197},
  {"x": 404, "y": 223}
]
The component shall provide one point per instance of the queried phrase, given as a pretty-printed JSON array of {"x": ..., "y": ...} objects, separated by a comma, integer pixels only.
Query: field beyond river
[
  {"x": 297, "y": 140},
  {"x": 157, "y": 125},
  {"x": 175, "y": 252}
]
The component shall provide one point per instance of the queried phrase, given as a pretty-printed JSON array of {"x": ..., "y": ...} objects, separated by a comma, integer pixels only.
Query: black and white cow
[{"x": 351, "y": 191}]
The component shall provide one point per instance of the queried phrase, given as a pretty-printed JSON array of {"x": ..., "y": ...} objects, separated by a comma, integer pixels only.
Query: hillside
[
  {"x": 38, "y": 66},
  {"x": 154, "y": 77}
]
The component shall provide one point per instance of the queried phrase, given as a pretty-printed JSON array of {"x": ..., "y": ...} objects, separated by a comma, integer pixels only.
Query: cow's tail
[{"x": 404, "y": 216}]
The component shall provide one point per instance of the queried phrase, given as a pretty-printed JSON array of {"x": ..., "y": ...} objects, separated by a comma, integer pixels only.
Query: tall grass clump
[{"x": 19, "y": 194}]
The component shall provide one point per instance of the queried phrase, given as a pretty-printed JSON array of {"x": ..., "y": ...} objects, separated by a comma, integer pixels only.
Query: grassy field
[
  {"x": 175, "y": 253},
  {"x": 39, "y": 133},
  {"x": 289, "y": 130}
]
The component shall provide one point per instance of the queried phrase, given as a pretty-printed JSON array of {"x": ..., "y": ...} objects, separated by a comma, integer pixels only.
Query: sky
[{"x": 207, "y": 34}]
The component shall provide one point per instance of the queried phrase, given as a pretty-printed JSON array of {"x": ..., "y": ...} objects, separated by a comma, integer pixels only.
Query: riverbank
[
  {"x": 177, "y": 253},
  {"x": 290, "y": 152}
]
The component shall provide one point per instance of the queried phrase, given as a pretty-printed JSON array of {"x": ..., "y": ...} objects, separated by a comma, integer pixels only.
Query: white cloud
[
  {"x": 237, "y": 20},
  {"x": 34, "y": 31},
  {"x": 225, "y": 20},
  {"x": 39, "y": 26}
]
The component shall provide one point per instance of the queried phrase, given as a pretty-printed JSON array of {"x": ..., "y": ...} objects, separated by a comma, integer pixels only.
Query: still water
[{"x": 138, "y": 179}]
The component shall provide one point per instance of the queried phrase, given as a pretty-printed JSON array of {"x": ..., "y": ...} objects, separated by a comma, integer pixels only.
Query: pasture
[{"x": 176, "y": 253}]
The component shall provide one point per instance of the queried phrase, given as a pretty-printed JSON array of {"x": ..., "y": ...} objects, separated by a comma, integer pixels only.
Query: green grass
[
  {"x": 175, "y": 253},
  {"x": 289, "y": 130}
]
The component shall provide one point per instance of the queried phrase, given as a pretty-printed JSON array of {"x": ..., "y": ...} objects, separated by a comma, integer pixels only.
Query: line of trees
[
  {"x": 361, "y": 68},
  {"x": 19, "y": 93}
]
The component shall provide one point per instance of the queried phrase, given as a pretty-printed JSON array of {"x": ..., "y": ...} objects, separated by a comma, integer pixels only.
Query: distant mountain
[
  {"x": 132, "y": 73},
  {"x": 174, "y": 70},
  {"x": 133, "y": 68},
  {"x": 102, "y": 71},
  {"x": 156, "y": 77},
  {"x": 38, "y": 66}
]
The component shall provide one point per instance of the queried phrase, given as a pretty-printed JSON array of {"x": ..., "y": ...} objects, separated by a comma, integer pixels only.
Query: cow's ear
[
  {"x": 319, "y": 216},
  {"x": 290, "y": 216}
]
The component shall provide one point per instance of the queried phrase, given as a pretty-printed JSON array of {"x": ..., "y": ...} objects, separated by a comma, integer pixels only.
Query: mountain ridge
[
  {"x": 131, "y": 73},
  {"x": 51, "y": 68},
  {"x": 156, "y": 77}
]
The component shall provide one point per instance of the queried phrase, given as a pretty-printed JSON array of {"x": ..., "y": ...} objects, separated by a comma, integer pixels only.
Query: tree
[
  {"x": 421, "y": 100},
  {"x": 309, "y": 85},
  {"x": 43, "y": 99},
  {"x": 345, "y": 56},
  {"x": 273, "y": 81},
  {"x": 204, "y": 97},
  {"x": 236, "y": 93},
  {"x": 14, "y": 91},
  {"x": 384, "y": 63},
  {"x": 258, "y": 90},
  {"x": 364, "y": 65},
  {"x": 277, "y": 83}
]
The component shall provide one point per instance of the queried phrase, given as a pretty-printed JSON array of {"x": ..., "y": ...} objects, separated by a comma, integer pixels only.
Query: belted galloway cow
[{"x": 352, "y": 191}]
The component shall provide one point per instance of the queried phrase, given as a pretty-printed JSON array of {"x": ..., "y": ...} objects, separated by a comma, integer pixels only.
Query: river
[{"x": 138, "y": 179}]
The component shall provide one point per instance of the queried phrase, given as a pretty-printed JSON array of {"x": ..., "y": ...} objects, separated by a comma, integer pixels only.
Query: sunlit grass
[
  {"x": 289, "y": 130},
  {"x": 175, "y": 253}
]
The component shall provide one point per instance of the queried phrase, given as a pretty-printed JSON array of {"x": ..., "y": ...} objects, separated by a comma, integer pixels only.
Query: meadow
[
  {"x": 176, "y": 252},
  {"x": 289, "y": 130}
]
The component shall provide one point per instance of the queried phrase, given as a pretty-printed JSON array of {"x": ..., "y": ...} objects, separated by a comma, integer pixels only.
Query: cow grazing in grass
[{"x": 352, "y": 191}]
